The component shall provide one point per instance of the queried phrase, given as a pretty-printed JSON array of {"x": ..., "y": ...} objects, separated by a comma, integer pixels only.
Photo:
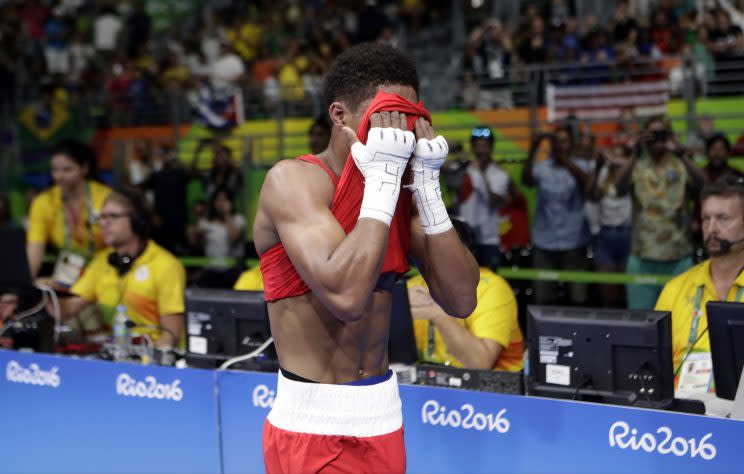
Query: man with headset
[
  {"x": 136, "y": 272},
  {"x": 720, "y": 278}
]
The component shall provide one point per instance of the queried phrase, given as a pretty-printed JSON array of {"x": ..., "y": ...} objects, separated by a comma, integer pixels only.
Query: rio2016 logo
[
  {"x": 127, "y": 386},
  {"x": 665, "y": 444},
  {"x": 33, "y": 375},
  {"x": 263, "y": 397},
  {"x": 465, "y": 418}
]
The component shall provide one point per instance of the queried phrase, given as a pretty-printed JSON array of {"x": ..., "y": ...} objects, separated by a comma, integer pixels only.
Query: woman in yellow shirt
[{"x": 65, "y": 214}]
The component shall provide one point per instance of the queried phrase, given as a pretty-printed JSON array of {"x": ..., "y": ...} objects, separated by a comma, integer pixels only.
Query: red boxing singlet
[{"x": 281, "y": 279}]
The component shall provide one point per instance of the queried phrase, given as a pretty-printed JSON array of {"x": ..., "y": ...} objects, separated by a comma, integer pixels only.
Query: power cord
[
  {"x": 248, "y": 356},
  {"x": 587, "y": 381},
  {"x": 57, "y": 310},
  {"x": 47, "y": 293}
]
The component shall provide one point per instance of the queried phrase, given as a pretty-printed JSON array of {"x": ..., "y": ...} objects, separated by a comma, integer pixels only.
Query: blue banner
[
  {"x": 245, "y": 400},
  {"x": 454, "y": 431},
  {"x": 73, "y": 415},
  {"x": 82, "y": 416}
]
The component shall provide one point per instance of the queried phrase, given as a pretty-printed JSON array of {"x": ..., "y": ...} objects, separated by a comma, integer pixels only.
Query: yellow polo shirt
[
  {"x": 494, "y": 317},
  {"x": 153, "y": 287},
  {"x": 678, "y": 297},
  {"x": 250, "y": 280},
  {"x": 46, "y": 220}
]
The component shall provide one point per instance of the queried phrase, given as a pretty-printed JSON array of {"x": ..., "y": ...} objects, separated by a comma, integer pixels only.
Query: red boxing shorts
[{"x": 328, "y": 428}]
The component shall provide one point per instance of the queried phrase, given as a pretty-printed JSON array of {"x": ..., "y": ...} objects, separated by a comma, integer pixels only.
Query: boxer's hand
[
  {"x": 428, "y": 157},
  {"x": 382, "y": 162},
  {"x": 430, "y": 151}
]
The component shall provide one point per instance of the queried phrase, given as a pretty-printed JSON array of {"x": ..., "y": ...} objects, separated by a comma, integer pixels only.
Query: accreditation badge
[
  {"x": 696, "y": 375},
  {"x": 68, "y": 268}
]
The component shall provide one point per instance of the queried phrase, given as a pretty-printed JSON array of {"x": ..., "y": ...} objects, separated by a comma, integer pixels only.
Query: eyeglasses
[
  {"x": 111, "y": 216},
  {"x": 481, "y": 132}
]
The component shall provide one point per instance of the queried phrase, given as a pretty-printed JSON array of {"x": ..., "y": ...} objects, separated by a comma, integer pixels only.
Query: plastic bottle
[{"x": 122, "y": 333}]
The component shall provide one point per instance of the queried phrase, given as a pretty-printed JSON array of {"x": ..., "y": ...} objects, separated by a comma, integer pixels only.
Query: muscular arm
[
  {"x": 341, "y": 270},
  {"x": 448, "y": 267}
]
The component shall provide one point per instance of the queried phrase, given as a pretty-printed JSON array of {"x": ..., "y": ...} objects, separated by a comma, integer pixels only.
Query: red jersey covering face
[{"x": 281, "y": 280}]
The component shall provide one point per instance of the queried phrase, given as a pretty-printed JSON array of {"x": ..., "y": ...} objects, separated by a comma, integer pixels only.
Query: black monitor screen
[
  {"x": 726, "y": 327},
  {"x": 612, "y": 356},
  {"x": 14, "y": 270},
  {"x": 225, "y": 322}
]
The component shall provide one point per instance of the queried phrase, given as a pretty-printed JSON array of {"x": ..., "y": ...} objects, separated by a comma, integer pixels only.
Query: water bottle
[{"x": 122, "y": 333}]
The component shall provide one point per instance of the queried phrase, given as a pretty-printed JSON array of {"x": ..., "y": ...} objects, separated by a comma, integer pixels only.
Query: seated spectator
[
  {"x": 717, "y": 150},
  {"x": 490, "y": 338},
  {"x": 65, "y": 214},
  {"x": 612, "y": 243},
  {"x": 725, "y": 41},
  {"x": 560, "y": 231},
  {"x": 222, "y": 233},
  {"x": 135, "y": 272},
  {"x": 485, "y": 189},
  {"x": 9, "y": 303},
  {"x": 487, "y": 61},
  {"x": 224, "y": 173},
  {"x": 662, "y": 183},
  {"x": 168, "y": 187},
  {"x": 717, "y": 279}
]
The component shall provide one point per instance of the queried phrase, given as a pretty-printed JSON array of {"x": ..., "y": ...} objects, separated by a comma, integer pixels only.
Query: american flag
[{"x": 606, "y": 101}]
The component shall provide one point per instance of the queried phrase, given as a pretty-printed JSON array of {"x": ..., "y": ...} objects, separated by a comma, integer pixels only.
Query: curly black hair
[{"x": 358, "y": 71}]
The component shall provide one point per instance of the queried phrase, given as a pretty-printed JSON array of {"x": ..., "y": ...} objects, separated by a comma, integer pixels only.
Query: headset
[{"x": 139, "y": 220}]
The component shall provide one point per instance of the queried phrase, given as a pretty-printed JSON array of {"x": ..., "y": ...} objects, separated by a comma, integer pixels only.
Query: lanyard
[
  {"x": 697, "y": 312},
  {"x": 88, "y": 226}
]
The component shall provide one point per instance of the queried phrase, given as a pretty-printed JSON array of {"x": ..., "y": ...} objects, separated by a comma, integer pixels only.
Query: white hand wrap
[
  {"x": 428, "y": 157},
  {"x": 382, "y": 162}
]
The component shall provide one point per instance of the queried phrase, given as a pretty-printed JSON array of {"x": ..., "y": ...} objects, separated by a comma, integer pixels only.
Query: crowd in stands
[
  {"x": 641, "y": 40},
  {"x": 138, "y": 62},
  {"x": 127, "y": 57}
]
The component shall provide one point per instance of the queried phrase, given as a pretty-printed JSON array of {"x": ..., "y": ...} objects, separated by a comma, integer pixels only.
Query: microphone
[{"x": 727, "y": 244}]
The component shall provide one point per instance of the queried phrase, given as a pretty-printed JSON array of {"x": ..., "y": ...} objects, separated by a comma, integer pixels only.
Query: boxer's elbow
[
  {"x": 460, "y": 304},
  {"x": 346, "y": 307}
]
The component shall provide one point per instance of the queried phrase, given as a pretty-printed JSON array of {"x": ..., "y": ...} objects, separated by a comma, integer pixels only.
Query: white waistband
[{"x": 345, "y": 410}]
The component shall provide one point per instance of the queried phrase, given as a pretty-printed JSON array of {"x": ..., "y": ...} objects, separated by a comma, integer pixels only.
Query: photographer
[
  {"x": 560, "y": 231},
  {"x": 662, "y": 180}
]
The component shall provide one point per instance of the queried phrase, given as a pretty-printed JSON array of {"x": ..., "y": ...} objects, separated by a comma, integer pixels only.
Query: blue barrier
[
  {"x": 68, "y": 415},
  {"x": 82, "y": 416}
]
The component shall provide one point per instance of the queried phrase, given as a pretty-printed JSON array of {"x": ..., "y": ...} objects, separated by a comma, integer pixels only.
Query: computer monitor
[
  {"x": 14, "y": 270},
  {"x": 726, "y": 334},
  {"x": 221, "y": 324},
  {"x": 402, "y": 341},
  {"x": 601, "y": 355}
]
